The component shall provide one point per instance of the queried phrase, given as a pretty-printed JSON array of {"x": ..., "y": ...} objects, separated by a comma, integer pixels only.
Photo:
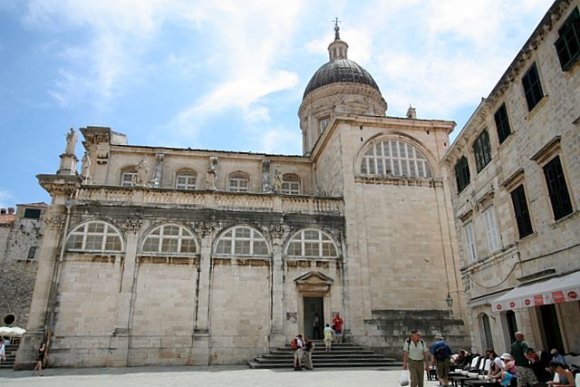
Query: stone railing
[{"x": 259, "y": 202}]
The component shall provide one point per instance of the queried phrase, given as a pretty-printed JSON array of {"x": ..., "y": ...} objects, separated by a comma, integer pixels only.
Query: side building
[
  {"x": 20, "y": 236},
  {"x": 515, "y": 175},
  {"x": 158, "y": 255}
]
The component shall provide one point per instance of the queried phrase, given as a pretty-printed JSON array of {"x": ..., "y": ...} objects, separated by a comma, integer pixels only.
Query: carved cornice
[
  {"x": 59, "y": 184},
  {"x": 395, "y": 180}
]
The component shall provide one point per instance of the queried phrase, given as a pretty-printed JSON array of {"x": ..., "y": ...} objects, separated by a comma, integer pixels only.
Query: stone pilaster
[{"x": 277, "y": 337}]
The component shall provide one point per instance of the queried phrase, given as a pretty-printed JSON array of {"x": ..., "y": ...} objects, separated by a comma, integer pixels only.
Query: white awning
[{"x": 551, "y": 291}]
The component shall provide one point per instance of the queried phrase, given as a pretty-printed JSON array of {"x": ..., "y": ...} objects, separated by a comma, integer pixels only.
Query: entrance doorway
[
  {"x": 313, "y": 306},
  {"x": 551, "y": 329}
]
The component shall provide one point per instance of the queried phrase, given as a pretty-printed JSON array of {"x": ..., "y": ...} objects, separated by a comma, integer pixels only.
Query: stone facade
[
  {"x": 156, "y": 255},
  {"x": 499, "y": 250},
  {"x": 20, "y": 234}
]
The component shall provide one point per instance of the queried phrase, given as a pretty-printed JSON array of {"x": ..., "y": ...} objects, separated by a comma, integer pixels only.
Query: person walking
[
  {"x": 328, "y": 336},
  {"x": 526, "y": 376},
  {"x": 2, "y": 350},
  {"x": 415, "y": 358},
  {"x": 39, "y": 360},
  {"x": 441, "y": 358},
  {"x": 297, "y": 345},
  {"x": 337, "y": 323}
]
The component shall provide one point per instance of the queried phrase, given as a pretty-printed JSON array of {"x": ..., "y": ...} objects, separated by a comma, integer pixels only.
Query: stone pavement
[{"x": 239, "y": 376}]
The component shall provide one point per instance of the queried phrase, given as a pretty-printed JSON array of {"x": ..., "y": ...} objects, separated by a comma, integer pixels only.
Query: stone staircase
[{"x": 344, "y": 355}]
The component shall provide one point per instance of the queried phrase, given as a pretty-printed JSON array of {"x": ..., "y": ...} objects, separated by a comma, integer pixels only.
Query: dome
[{"x": 340, "y": 70}]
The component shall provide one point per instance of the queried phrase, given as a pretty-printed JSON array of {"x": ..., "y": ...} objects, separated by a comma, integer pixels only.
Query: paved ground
[{"x": 202, "y": 376}]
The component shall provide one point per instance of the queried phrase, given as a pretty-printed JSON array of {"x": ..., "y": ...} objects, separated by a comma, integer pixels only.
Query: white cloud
[{"x": 279, "y": 141}]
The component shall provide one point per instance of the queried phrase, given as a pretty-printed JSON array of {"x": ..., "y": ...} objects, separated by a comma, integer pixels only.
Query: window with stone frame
[
  {"x": 482, "y": 150},
  {"x": 502, "y": 123},
  {"x": 170, "y": 239},
  {"x": 462, "y": 174},
  {"x": 239, "y": 182},
  {"x": 94, "y": 236},
  {"x": 242, "y": 241},
  {"x": 312, "y": 243},
  {"x": 185, "y": 179},
  {"x": 394, "y": 158},
  {"x": 493, "y": 239},
  {"x": 557, "y": 188},
  {"x": 291, "y": 184},
  {"x": 129, "y": 177},
  {"x": 323, "y": 124},
  {"x": 470, "y": 245},
  {"x": 532, "y": 86},
  {"x": 568, "y": 43},
  {"x": 521, "y": 211}
]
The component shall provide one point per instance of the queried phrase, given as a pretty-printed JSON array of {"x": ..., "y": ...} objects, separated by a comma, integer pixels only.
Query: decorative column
[
  {"x": 201, "y": 330},
  {"x": 120, "y": 341},
  {"x": 277, "y": 334}
]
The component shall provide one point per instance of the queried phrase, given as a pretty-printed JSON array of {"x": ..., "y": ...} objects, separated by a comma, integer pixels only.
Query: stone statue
[
  {"x": 277, "y": 183},
  {"x": 71, "y": 142},
  {"x": 142, "y": 172},
  {"x": 210, "y": 178},
  {"x": 85, "y": 168}
]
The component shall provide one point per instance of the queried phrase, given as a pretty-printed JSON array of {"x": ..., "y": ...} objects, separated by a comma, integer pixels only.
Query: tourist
[
  {"x": 565, "y": 376},
  {"x": 2, "y": 350},
  {"x": 337, "y": 323},
  {"x": 441, "y": 359},
  {"x": 539, "y": 367},
  {"x": 415, "y": 358},
  {"x": 495, "y": 365},
  {"x": 520, "y": 354},
  {"x": 508, "y": 370},
  {"x": 316, "y": 327},
  {"x": 556, "y": 356},
  {"x": 307, "y": 356},
  {"x": 40, "y": 359},
  {"x": 297, "y": 345},
  {"x": 328, "y": 336}
]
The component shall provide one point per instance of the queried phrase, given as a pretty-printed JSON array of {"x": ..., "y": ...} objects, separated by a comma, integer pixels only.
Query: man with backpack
[
  {"x": 415, "y": 358},
  {"x": 441, "y": 358},
  {"x": 296, "y": 345}
]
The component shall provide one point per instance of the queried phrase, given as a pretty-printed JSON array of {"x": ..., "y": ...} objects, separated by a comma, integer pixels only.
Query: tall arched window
[
  {"x": 485, "y": 332},
  {"x": 96, "y": 236},
  {"x": 312, "y": 243},
  {"x": 170, "y": 238},
  {"x": 394, "y": 158},
  {"x": 291, "y": 184},
  {"x": 185, "y": 179},
  {"x": 239, "y": 182},
  {"x": 242, "y": 241}
]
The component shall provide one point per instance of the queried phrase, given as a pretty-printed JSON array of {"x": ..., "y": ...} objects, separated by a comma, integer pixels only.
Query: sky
[{"x": 229, "y": 75}]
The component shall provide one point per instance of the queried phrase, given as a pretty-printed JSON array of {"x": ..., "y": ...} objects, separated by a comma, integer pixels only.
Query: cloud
[{"x": 280, "y": 141}]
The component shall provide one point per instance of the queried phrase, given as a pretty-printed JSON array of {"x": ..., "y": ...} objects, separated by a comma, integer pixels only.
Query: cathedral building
[{"x": 179, "y": 256}]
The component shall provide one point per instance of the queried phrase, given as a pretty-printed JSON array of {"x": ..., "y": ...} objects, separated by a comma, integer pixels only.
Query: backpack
[
  {"x": 420, "y": 341},
  {"x": 294, "y": 344}
]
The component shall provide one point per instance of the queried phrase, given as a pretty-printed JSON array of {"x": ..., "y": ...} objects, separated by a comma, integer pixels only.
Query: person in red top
[{"x": 337, "y": 322}]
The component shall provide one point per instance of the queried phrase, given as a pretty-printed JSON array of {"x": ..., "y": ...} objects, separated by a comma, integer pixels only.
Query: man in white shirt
[{"x": 415, "y": 358}]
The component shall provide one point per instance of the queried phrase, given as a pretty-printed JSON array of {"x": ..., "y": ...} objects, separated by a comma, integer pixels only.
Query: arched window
[
  {"x": 95, "y": 236},
  {"x": 291, "y": 184},
  {"x": 242, "y": 241},
  {"x": 485, "y": 332},
  {"x": 185, "y": 179},
  {"x": 394, "y": 158},
  {"x": 170, "y": 238},
  {"x": 129, "y": 176},
  {"x": 239, "y": 182},
  {"x": 312, "y": 243}
]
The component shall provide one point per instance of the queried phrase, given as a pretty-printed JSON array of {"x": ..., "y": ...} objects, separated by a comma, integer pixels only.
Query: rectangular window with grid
[
  {"x": 185, "y": 182},
  {"x": 470, "y": 242},
  {"x": 462, "y": 174},
  {"x": 482, "y": 150},
  {"x": 491, "y": 229},
  {"x": 532, "y": 86},
  {"x": 128, "y": 179},
  {"x": 557, "y": 188},
  {"x": 568, "y": 44},
  {"x": 502, "y": 123},
  {"x": 521, "y": 211}
]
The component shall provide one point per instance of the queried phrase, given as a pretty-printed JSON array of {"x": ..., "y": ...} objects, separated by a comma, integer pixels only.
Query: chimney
[
  {"x": 2, "y": 211},
  {"x": 11, "y": 210},
  {"x": 411, "y": 112}
]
